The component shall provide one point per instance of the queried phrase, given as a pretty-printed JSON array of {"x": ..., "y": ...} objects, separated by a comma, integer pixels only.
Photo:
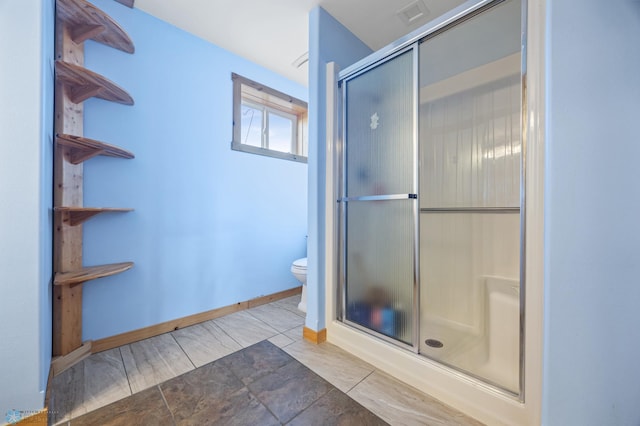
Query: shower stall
[{"x": 431, "y": 195}]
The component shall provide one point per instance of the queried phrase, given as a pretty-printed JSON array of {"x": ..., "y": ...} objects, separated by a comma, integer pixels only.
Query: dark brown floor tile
[
  {"x": 143, "y": 408},
  {"x": 239, "y": 408},
  {"x": 212, "y": 394},
  {"x": 210, "y": 381},
  {"x": 336, "y": 408},
  {"x": 289, "y": 390},
  {"x": 256, "y": 361}
]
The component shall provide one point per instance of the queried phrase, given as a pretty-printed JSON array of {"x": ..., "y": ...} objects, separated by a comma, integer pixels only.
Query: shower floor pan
[{"x": 491, "y": 353}]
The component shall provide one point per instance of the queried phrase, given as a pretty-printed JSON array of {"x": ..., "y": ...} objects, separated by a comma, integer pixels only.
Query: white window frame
[{"x": 268, "y": 101}]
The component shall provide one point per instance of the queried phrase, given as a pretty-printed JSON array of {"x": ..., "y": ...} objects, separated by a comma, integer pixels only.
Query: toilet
[{"x": 299, "y": 270}]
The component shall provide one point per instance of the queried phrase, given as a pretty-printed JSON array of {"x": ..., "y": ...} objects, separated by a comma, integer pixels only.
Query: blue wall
[
  {"x": 211, "y": 226},
  {"x": 329, "y": 41},
  {"x": 26, "y": 120},
  {"x": 592, "y": 206}
]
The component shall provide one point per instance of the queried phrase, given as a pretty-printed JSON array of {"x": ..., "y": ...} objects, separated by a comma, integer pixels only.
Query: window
[{"x": 268, "y": 122}]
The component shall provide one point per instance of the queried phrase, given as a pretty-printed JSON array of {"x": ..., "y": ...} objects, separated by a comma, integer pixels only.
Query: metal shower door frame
[
  {"x": 412, "y": 40},
  {"x": 343, "y": 200}
]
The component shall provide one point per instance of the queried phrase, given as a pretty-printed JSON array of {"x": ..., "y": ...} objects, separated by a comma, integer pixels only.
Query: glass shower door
[
  {"x": 379, "y": 201},
  {"x": 470, "y": 196}
]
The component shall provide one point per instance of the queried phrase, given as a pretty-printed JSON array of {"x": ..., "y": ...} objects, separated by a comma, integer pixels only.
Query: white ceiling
[{"x": 274, "y": 33}]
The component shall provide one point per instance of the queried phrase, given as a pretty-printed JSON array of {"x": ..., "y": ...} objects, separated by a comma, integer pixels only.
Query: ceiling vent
[{"x": 413, "y": 12}]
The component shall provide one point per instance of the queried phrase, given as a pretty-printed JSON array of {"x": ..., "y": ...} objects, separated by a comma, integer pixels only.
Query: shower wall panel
[
  {"x": 457, "y": 252},
  {"x": 471, "y": 147},
  {"x": 470, "y": 158}
]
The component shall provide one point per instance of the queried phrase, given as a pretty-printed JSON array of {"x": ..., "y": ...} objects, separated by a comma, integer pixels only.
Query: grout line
[
  {"x": 230, "y": 336},
  {"x": 294, "y": 327},
  {"x": 361, "y": 380},
  {"x": 83, "y": 404},
  {"x": 254, "y": 395},
  {"x": 166, "y": 404},
  {"x": 182, "y": 349},
  {"x": 257, "y": 398},
  {"x": 283, "y": 335},
  {"x": 126, "y": 373},
  {"x": 288, "y": 344},
  {"x": 264, "y": 322},
  {"x": 287, "y": 306},
  {"x": 88, "y": 374},
  {"x": 218, "y": 340}
]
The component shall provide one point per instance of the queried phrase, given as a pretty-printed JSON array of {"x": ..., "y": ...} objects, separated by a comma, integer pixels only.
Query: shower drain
[{"x": 434, "y": 343}]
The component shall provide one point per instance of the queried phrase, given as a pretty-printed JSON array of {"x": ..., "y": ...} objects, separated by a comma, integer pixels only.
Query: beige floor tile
[
  {"x": 105, "y": 380},
  {"x": 277, "y": 316},
  {"x": 67, "y": 395},
  {"x": 295, "y": 333},
  {"x": 291, "y": 304},
  {"x": 335, "y": 365},
  {"x": 281, "y": 340},
  {"x": 205, "y": 342},
  {"x": 244, "y": 328},
  {"x": 402, "y": 405},
  {"x": 152, "y": 361},
  {"x": 93, "y": 383}
]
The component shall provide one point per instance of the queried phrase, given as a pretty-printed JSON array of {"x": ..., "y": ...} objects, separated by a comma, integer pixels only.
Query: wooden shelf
[
  {"x": 83, "y": 84},
  {"x": 78, "y": 215},
  {"x": 90, "y": 273},
  {"x": 88, "y": 22},
  {"x": 82, "y": 149}
]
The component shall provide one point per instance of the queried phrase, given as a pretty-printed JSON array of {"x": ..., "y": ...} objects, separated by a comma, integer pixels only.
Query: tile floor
[{"x": 248, "y": 368}]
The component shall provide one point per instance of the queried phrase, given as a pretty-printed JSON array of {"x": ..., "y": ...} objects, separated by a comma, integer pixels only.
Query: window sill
[{"x": 268, "y": 152}]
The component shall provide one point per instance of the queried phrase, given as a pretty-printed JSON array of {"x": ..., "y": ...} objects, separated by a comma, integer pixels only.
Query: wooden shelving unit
[{"x": 78, "y": 21}]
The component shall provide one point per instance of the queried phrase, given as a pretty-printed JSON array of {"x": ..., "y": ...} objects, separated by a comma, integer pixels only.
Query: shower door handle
[{"x": 379, "y": 197}]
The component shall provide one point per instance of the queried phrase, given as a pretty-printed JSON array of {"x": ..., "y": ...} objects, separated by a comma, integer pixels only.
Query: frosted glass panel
[
  {"x": 379, "y": 126},
  {"x": 380, "y": 235},
  {"x": 380, "y": 266}
]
